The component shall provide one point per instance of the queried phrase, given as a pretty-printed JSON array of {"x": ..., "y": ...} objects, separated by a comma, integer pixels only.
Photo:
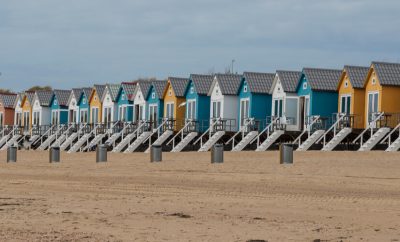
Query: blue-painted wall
[
  {"x": 323, "y": 103},
  {"x": 62, "y": 109},
  {"x": 260, "y": 103},
  {"x": 83, "y": 103},
  {"x": 122, "y": 99},
  {"x": 202, "y": 106},
  {"x": 153, "y": 98}
]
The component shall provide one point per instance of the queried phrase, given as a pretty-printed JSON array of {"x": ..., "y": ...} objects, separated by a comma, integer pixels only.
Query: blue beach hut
[
  {"x": 59, "y": 107},
  {"x": 255, "y": 98},
  {"x": 155, "y": 103},
  {"x": 317, "y": 91},
  {"x": 125, "y": 101},
  {"x": 197, "y": 100},
  {"x": 83, "y": 104}
]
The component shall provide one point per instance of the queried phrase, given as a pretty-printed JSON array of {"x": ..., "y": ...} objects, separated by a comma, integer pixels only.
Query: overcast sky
[{"x": 74, "y": 43}]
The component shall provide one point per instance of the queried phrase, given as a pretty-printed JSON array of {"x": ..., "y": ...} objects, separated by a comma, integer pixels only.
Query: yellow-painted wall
[
  {"x": 95, "y": 101},
  {"x": 26, "y": 107},
  {"x": 179, "y": 112},
  {"x": 357, "y": 106}
]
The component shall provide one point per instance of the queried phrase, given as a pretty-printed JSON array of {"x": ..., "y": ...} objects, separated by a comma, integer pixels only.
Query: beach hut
[
  {"x": 174, "y": 101},
  {"x": 352, "y": 94},
  {"x": 95, "y": 103},
  {"x": 41, "y": 111},
  {"x": 197, "y": 100},
  {"x": 26, "y": 105},
  {"x": 317, "y": 91},
  {"x": 109, "y": 103},
  {"x": 139, "y": 100},
  {"x": 124, "y": 101},
  {"x": 155, "y": 102},
  {"x": 83, "y": 104},
  {"x": 7, "y": 102},
  {"x": 59, "y": 106},
  {"x": 73, "y": 107},
  {"x": 224, "y": 99},
  {"x": 18, "y": 109},
  {"x": 285, "y": 102},
  {"x": 382, "y": 108},
  {"x": 255, "y": 97}
]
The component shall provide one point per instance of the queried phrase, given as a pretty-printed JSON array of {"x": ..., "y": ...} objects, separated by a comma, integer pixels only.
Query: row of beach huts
[{"x": 356, "y": 108}]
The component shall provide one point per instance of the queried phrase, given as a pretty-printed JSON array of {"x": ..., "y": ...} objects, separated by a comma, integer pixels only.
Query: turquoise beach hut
[
  {"x": 59, "y": 107},
  {"x": 317, "y": 91},
  {"x": 255, "y": 98},
  {"x": 155, "y": 103},
  {"x": 197, "y": 100},
  {"x": 125, "y": 101},
  {"x": 83, "y": 104}
]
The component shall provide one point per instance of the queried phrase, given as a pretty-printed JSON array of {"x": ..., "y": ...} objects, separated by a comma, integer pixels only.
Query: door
[
  {"x": 216, "y": 109},
  {"x": 107, "y": 115},
  {"x": 1, "y": 119},
  {"x": 95, "y": 115},
  {"x": 278, "y": 107},
  {"x": 244, "y": 111},
  {"x": 306, "y": 111},
  {"x": 35, "y": 120},
  {"x": 191, "y": 110},
  {"x": 170, "y": 111},
  {"x": 84, "y": 116},
  {"x": 153, "y": 116},
  {"x": 26, "y": 121},
  {"x": 373, "y": 98},
  {"x": 302, "y": 118},
  {"x": 345, "y": 102},
  {"x": 55, "y": 117}
]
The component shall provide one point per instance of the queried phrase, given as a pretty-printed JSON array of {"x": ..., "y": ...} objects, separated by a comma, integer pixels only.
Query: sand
[{"x": 334, "y": 196}]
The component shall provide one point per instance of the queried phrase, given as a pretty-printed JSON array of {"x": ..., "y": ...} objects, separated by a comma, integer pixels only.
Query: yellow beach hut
[
  {"x": 352, "y": 94},
  {"x": 174, "y": 100},
  {"x": 96, "y": 104},
  {"x": 26, "y": 106}
]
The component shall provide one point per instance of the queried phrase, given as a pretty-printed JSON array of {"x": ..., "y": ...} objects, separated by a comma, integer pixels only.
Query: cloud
[{"x": 78, "y": 43}]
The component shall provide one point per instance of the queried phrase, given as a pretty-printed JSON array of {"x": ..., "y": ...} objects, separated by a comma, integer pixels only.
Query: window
[
  {"x": 191, "y": 89},
  {"x": 373, "y": 81},
  {"x": 345, "y": 102},
  {"x": 26, "y": 120},
  {"x": 55, "y": 117},
  {"x": 245, "y": 88},
  {"x": 107, "y": 115},
  {"x": 278, "y": 107},
  {"x": 122, "y": 113},
  {"x": 153, "y": 95},
  {"x": 346, "y": 84},
  {"x": 216, "y": 109},
  {"x": 36, "y": 118},
  {"x": 170, "y": 110},
  {"x": 84, "y": 116},
  {"x": 170, "y": 93},
  {"x": 123, "y": 97},
  {"x": 84, "y": 101},
  {"x": 18, "y": 118},
  {"x": 305, "y": 85},
  {"x": 95, "y": 115},
  {"x": 191, "y": 109}
]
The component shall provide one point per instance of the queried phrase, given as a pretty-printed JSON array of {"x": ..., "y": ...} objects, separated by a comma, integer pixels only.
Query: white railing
[
  {"x": 248, "y": 122},
  {"x": 388, "y": 137},
  {"x": 267, "y": 130},
  {"x": 371, "y": 126},
  {"x": 334, "y": 127},
  {"x": 157, "y": 130},
  {"x": 315, "y": 119},
  {"x": 180, "y": 133},
  {"x": 208, "y": 131}
]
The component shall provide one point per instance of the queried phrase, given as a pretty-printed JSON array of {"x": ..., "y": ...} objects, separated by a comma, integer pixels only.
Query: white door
[
  {"x": 216, "y": 109},
  {"x": 84, "y": 116},
  {"x": 170, "y": 110},
  {"x": 153, "y": 116},
  {"x": 95, "y": 115},
  {"x": 373, "y": 98},
  {"x": 345, "y": 102},
  {"x": 306, "y": 111},
  {"x": 191, "y": 110},
  {"x": 244, "y": 110}
]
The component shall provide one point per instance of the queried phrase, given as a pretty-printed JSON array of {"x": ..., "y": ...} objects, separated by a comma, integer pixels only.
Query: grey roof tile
[
  {"x": 113, "y": 89},
  {"x": 44, "y": 97},
  {"x": 229, "y": 83},
  {"x": 179, "y": 85},
  {"x": 289, "y": 79},
  {"x": 77, "y": 92},
  {"x": 388, "y": 73},
  {"x": 62, "y": 96},
  {"x": 99, "y": 89},
  {"x": 356, "y": 74},
  {"x": 8, "y": 100},
  {"x": 30, "y": 96},
  {"x": 144, "y": 87},
  {"x": 159, "y": 87},
  {"x": 87, "y": 91},
  {"x": 322, "y": 79},
  {"x": 201, "y": 83},
  {"x": 259, "y": 82},
  {"x": 129, "y": 88}
]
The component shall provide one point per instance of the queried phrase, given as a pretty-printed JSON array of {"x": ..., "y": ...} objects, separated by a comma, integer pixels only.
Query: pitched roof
[
  {"x": 144, "y": 88},
  {"x": 18, "y": 98},
  {"x": 159, "y": 87},
  {"x": 356, "y": 74},
  {"x": 179, "y": 85},
  {"x": 129, "y": 88},
  {"x": 99, "y": 89},
  {"x": 8, "y": 100},
  {"x": 29, "y": 96},
  {"x": 229, "y": 83},
  {"x": 289, "y": 79},
  {"x": 87, "y": 91},
  {"x": 113, "y": 89},
  {"x": 44, "y": 97},
  {"x": 77, "y": 92},
  {"x": 259, "y": 82},
  {"x": 62, "y": 96},
  {"x": 388, "y": 73},
  {"x": 322, "y": 79},
  {"x": 202, "y": 83}
]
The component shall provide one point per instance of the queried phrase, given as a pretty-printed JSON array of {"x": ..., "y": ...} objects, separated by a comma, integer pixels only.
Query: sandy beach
[{"x": 333, "y": 196}]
